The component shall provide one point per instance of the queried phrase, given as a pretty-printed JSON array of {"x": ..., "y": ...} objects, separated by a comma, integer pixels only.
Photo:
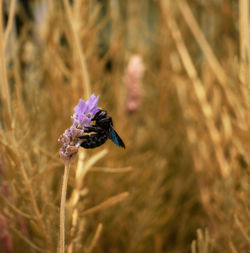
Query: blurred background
[{"x": 174, "y": 76}]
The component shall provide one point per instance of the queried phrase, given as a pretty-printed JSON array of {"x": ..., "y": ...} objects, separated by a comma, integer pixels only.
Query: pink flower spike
[{"x": 133, "y": 78}]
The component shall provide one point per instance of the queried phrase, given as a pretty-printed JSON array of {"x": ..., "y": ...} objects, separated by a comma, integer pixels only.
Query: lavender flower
[
  {"x": 84, "y": 112},
  {"x": 70, "y": 141}
]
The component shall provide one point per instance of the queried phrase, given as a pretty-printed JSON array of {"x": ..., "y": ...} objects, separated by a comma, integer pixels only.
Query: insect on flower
[
  {"x": 84, "y": 112},
  {"x": 83, "y": 134},
  {"x": 101, "y": 131}
]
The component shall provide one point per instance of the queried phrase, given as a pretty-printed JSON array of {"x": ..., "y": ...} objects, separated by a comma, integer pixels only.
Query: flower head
[
  {"x": 84, "y": 112},
  {"x": 70, "y": 141}
]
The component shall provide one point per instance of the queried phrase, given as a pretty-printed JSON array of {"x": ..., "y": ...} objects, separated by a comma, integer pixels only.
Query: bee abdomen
[{"x": 94, "y": 140}]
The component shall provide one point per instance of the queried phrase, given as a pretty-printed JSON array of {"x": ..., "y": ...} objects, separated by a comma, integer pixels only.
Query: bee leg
[{"x": 84, "y": 137}]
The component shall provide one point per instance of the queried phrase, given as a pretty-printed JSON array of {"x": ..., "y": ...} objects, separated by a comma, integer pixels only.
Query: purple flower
[
  {"x": 70, "y": 141},
  {"x": 84, "y": 112}
]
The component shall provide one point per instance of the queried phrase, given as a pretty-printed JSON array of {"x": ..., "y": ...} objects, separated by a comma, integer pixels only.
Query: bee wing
[{"x": 113, "y": 135}]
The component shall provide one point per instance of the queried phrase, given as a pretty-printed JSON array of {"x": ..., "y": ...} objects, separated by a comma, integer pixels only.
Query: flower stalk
[
  {"x": 70, "y": 142},
  {"x": 62, "y": 207}
]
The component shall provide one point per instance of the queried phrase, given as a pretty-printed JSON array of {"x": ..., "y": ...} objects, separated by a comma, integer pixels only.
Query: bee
[{"x": 100, "y": 132}]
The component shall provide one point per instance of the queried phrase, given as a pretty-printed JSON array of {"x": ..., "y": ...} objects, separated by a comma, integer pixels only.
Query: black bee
[{"x": 101, "y": 131}]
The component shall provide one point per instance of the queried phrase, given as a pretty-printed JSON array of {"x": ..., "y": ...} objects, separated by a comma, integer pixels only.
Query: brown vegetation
[{"x": 182, "y": 184}]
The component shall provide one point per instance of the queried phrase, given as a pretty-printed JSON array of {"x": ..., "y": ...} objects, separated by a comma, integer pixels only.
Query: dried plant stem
[
  {"x": 62, "y": 207},
  {"x": 244, "y": 25},
  {"x": 82, "y": 59},
  {"x": 72, "y": 230},
  {"x": 200, "y": 94},
  {"x": 208, "y": 52},
  {"x": 16, "y": 158},
  {"x": 95, "y": 239},
  {"x": 107, "y": 203},
  {"x": 36, "y": 209},
  {"x": 26, "y": 240},
  {"x": 4, "y": 81},
  {"x": 203, "y": 43},
  {"x": 244, "y": 16},
  {"x": 112, "y": 170},
  {"x": 14, "y": 209},
  {"x": 10, "y": 21}
]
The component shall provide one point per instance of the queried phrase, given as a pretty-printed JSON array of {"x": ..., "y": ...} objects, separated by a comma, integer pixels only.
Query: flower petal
[{"x": 81, "y": 107}]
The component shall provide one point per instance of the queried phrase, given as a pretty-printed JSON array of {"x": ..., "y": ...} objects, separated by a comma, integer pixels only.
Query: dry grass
[{"x": 182, "y": 184}]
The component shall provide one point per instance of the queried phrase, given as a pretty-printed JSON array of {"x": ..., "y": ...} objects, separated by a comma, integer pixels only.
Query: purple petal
[
  {"x": 81, "y": 107},
  {"x": 96, "y": 110},
  {"x": 92, "y": 102}
]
